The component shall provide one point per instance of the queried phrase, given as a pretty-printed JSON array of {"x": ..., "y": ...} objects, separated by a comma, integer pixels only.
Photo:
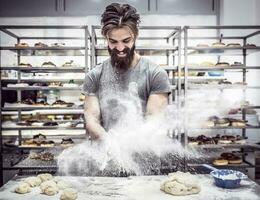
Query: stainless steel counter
[{"x": 133, "y": 188}]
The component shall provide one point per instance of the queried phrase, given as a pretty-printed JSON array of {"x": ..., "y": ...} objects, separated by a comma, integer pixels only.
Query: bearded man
[{"x": 126, "y": 85}]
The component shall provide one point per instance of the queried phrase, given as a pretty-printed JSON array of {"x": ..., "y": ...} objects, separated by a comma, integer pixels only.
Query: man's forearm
[{"x": 94, "y": 128}]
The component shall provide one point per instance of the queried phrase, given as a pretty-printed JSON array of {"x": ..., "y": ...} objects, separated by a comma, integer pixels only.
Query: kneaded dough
[
  {"x": 23, "y": 188},
  {"x": 69, "y": 194},
  {"x": 180, "y": 183},
  {"x": 62, "y": 185},
  {"x": 45, "y": 177},
  {"x": 49, "y": 188},
  {"x": 33, "y": 181}
]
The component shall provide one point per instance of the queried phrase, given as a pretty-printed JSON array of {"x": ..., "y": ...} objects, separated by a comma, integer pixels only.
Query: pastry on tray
[
  {"x": 207, "y": 64},
  {"x": 60, "y": 103},
  {"x": 250, "y": 45},
  {"x": 47, "y": 156},
  {"x": 28, "y": 101},
  {"x": 236, "y": 64},
  {"x": 67, "y": 142},
  {"x": 54, "y": 84},
  {"x": 234, "y": 45},
  {"x": 39, "y": 136},
  {"x": 220, "y": 162},
  {"x": 68, "y": 117},
  {"x": 68, "y": 64},
  {"x": 224, "y": 82},
  {"x": 30, "y": 143},
  {"x": 40, "y": 44},
  {"x": 47, "y": 143},
  {"x": 200, "y": 140},
  {"x": 24, "y": 65},
  {"x": 22, "y": 44},
  {"x": 235, "y": 160},
  {"x": 48, "y": 64},
  {"x": 223, "y": 122},
  {"x": 202, "y": 45},
  {"x": 50, "y": 124},
  {"x": 222, "y": 64},
  {"x": 237, "y": 122},
  {"x": 51, "y": 117},
  {"x": 226, "y": 139},
  {"x": 58, "y": 44},
  {"x": 232, "y": 158},
  {"x": 41, "y": 104},
  {"x": 218, "y": 44}
]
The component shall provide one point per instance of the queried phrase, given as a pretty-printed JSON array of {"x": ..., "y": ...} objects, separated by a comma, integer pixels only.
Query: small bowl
[
  {"x": 216, "y": 73},
  {"x": 226, "y": 178}
]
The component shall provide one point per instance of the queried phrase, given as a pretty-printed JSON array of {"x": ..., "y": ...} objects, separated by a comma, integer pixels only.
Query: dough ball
[
  {"x": 57, "y": 179},
  {"x": 69, "y": 194},
  {"x": 45, "y": 177},
  {"x": 48, "y": 183},
  {"x": 180, "y": 183},
  {"x": 49, "y": 188},
  {"x": 33, "y": 181},
  {"x": 62, "y": 185},
  {"x": 23, "y": 188},
  {"x": 173, "y": 187}
]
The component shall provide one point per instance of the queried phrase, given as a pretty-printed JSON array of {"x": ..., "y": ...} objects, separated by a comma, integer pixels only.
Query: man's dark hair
[{"x": 118, "y": 16}]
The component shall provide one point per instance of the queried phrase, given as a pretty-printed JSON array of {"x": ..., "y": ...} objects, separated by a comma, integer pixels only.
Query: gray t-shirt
[{"x": 119, "y": 94}]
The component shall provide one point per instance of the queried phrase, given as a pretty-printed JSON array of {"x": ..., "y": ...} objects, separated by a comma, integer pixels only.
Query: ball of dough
[
  {"x": 180, "y": 183},
  {"x": 47, "y": 183},
  {"x": 174, "y": 188},
  {"x": 45, "y": 177},
  {"x": 56, "y": 179},
  {"x": 62, "y": 185},
  {"x": 33, "y": 181},
  {"x": 69, "y": 194},
  {"x": 49, "y": 188},
  {"x": 23, "y": 188}
]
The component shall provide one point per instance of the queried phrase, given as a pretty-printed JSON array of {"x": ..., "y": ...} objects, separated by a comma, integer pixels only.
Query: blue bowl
[
  {"x": 226, "y": 178},
  {"x": 216, "y": 73}
]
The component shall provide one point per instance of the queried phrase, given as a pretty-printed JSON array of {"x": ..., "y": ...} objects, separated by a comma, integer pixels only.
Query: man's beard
[{"x": 122, "y": 63}]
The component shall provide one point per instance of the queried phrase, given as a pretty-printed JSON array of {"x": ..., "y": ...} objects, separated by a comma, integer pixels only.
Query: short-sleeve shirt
[{"x": 127, "y": 93}]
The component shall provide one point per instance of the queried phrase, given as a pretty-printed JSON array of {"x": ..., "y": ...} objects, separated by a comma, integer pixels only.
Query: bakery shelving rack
[
  {"x": 162, "y": 44},
  {"x": 76, "y": 47},
  {"x": 239, "y": 48}
]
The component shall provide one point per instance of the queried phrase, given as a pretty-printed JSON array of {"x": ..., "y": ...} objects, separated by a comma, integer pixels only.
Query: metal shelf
[
  {"x": 242, "y": 165},
  {"x": 32, "y": 164},
  {"x": 45, "y": 69},
  {"x": 40, "y": 108},
  {"x": 43, "y": 128},
  {"x": 222, "y": 50},
  {"x": 224, "y": 146},
  {"x": 41, "y": 88},
  {"x": 220, "y": 86},
  {"x": 46, "y": 51},
  {"x": 41, "y": 80},
  {"x": 212, "y": 68},
  {"x": 228, "y": 127}
]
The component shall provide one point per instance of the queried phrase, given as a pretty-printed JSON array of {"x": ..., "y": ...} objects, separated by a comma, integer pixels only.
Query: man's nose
[{"x": 120, "y": 47}]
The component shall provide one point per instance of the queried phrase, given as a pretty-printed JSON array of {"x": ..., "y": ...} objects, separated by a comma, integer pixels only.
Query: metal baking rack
[
  {"x": 191, "y": 50},
  {"x": 32, "y": 34}
]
